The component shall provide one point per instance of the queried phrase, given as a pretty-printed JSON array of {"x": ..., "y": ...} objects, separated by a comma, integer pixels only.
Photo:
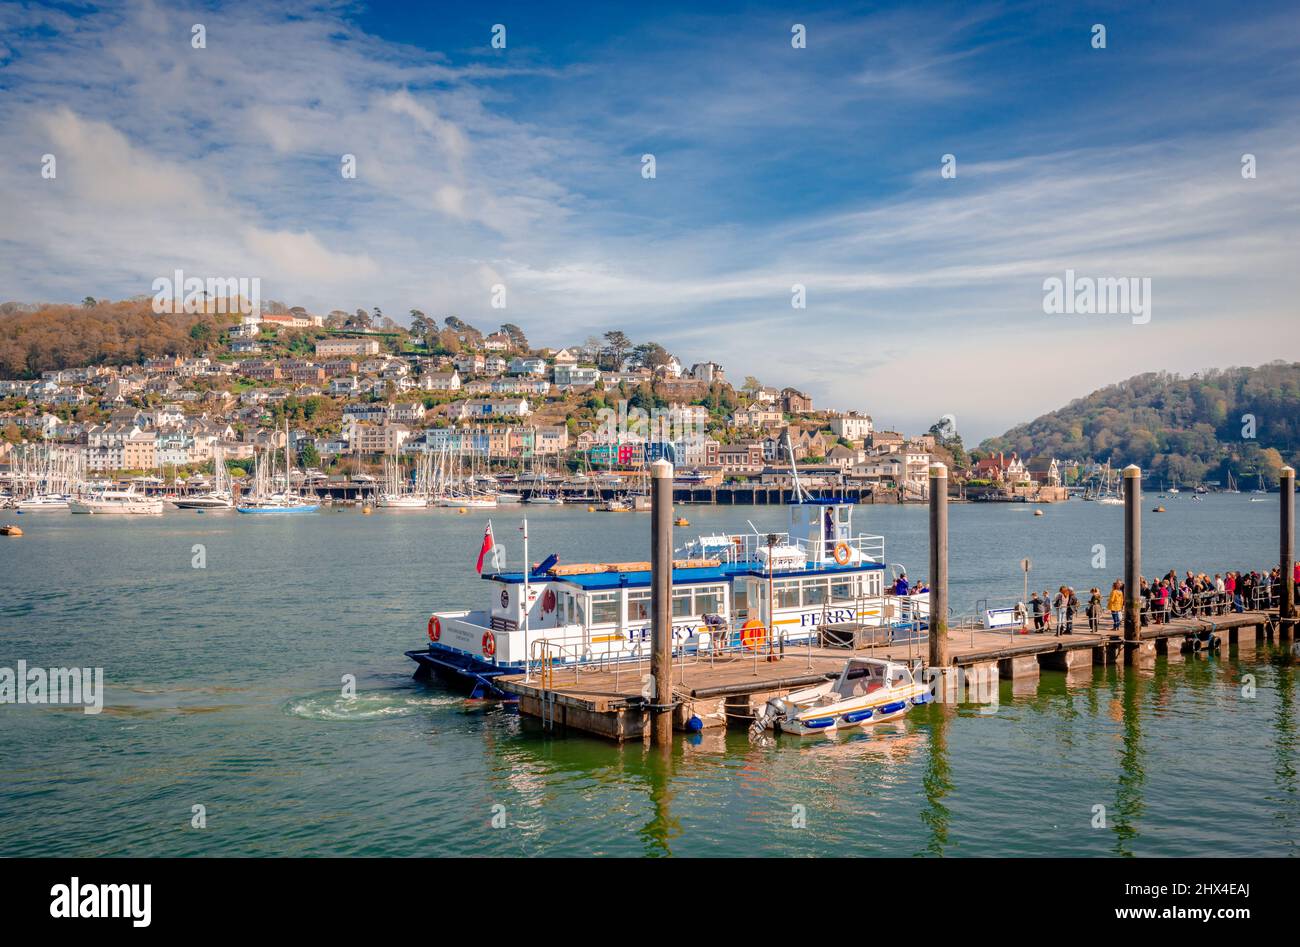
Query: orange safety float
[
  {"x": 842, "y": 554},
  {"x": 489, "y": 644},
  {"x": 435, "y": 628},
  {"x": 752, "y": 634}
]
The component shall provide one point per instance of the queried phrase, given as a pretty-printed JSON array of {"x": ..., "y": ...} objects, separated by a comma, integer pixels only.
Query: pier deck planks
[{"x": 606, "y": 691}]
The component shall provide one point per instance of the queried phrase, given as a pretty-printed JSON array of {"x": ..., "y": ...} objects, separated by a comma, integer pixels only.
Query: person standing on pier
[
  {"x": 1066, "y": 604},
  {"x": 1094, "y": 610},
  {"x": 1116, "y": 604},
  {"x": 1036, "y": 608},
  {"x": 1220, "y": 594}
]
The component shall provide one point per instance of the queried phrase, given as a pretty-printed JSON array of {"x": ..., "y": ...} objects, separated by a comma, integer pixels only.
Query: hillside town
[{"x": 353, "y": 389}]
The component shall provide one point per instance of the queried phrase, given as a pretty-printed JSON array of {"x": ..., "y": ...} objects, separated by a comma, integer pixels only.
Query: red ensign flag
[{"x": 488, "y": 543}]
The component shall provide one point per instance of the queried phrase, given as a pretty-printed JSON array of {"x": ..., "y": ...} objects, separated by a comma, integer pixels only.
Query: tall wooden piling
[
  {"x": 1132, "y": 558},
  {"x": 1286, "y": 528},
  {"x": 938, "y": 565},
  {"x": 661, "y": 600}
]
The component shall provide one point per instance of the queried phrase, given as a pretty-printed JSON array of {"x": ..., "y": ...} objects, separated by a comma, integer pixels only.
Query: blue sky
[{"x": 774, "y": 166}]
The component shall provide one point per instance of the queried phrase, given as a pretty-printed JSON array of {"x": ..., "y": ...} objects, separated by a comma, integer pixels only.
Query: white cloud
[{"x": 226, "y": 161}]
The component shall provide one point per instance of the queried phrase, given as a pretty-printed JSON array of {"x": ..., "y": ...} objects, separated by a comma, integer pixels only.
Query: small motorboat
[
  {"x": 867, "y": 691},
  {"x": 1159, "y": 509},
  {"x": 9, "y": 529}
]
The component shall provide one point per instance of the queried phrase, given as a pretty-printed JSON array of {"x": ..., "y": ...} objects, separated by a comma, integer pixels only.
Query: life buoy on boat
[
  {"x": 548, "y": 601},
  {"x": 435, "y": 628},
  {"x": 489, "y": 644},
  {"x": 752, "y": 634},
  {"x": 842, "y": 553}
]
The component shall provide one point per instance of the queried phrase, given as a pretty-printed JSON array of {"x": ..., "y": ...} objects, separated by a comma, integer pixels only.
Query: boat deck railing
[{"x": 740, "y": 548}]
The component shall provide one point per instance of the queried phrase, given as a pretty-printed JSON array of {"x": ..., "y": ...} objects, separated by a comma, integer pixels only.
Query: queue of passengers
[{"x": 1162, "y": 600}]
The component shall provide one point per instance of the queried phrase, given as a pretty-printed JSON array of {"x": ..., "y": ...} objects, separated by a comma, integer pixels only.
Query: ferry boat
[
  {"x": 867, "y": 691},
  {"x": 745, "y": 592}
]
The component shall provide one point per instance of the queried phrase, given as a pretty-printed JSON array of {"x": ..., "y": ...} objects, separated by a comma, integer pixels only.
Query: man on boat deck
[{"x": 900, "y": 585}]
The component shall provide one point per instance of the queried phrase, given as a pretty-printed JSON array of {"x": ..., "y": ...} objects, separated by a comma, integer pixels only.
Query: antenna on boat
[{"x": 799, "y": 493}]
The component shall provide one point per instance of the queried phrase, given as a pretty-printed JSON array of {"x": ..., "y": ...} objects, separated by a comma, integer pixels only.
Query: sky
[{"x": 774, "y": 166}]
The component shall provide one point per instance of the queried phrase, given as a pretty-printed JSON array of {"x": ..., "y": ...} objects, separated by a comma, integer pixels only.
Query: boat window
[
  {"x": 739, "y": 600},
  {"x": 787, "y": 593},
  {"x": 842, "y": 590},
  {"x": 708, "y": 601},
  {"x": 638, "y": 605},
  {"x": 814, "y": 591},
  {"x": 577, "y": 614},
  {"x": 604, "y": 608},
  {"x": 682, "y": 603}
]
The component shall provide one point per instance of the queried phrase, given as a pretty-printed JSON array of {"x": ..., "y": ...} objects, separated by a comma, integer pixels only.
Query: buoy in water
[
  {"x": 365, "y": 511},
  {"x": 462, "y": 510},
  {"x": 1038, "y": 512},
  {"x": 591, "y": 509}
]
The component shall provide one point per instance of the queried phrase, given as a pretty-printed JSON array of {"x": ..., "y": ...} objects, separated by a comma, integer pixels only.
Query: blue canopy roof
[{"x": 598, "y": 581}]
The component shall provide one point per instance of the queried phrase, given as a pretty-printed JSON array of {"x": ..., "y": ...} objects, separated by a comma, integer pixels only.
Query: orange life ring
[
  {"x": 753, "y": 634},
  {"x": 489, "y": 644},
  {"x": 842, "y": 554},
  {"x": 435, "y": 628}
]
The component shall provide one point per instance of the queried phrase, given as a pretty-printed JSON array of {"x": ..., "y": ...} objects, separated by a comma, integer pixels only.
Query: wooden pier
[
  {"x": 710, "y": 689},
  {"x": 712, "y": 692}
]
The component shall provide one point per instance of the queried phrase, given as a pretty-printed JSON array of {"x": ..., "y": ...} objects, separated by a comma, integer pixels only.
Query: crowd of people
[{"x": 1163, "y": 599}]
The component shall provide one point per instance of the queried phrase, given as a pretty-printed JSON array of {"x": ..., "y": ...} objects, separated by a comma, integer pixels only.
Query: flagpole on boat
[{"x": 527, "y": 569}]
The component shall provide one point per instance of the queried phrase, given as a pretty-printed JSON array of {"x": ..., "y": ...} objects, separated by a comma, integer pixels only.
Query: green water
[{"x": 224, "y": 690}]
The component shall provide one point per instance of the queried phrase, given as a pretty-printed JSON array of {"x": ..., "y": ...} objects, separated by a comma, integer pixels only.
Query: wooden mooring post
[
  {"x": 938, "y": 566},
  {"x": 1286, "y": 528},
  {"x": 1132, "y": 561},
  {"x": 661, "y": 600}
]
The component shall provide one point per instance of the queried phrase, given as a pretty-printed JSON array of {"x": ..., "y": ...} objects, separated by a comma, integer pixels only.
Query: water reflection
[
  {"x": 658, "y": 834},
  {"x": 937, "y": 781},
  {"x": 1129, "y": 803},
  {"x": 1284, "y": 751}
]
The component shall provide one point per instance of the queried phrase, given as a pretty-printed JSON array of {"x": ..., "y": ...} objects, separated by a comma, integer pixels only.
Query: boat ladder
[{"x": 547, "y": 654}]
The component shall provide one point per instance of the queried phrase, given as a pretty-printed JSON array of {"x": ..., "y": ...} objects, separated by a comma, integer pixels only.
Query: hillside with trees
[
  {"x": 34, "y": 339},
  {"x": 1188, "y": 430}
]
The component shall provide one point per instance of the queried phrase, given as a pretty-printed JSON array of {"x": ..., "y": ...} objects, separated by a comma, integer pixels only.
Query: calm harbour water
[{"x": 223, "y": 690}]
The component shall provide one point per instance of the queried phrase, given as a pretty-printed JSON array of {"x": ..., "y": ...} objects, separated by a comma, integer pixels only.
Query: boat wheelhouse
[{"x": 743, "y": 592}]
